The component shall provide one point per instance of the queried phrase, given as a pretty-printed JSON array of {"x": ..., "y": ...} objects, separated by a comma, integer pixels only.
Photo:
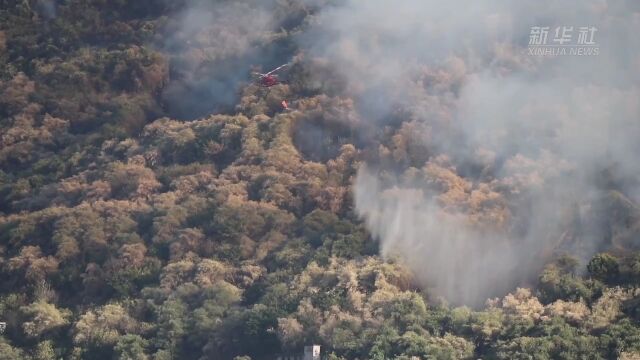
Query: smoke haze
[
  {"x": 516, "y": 153},
  {"x": 518, "y": 143},
  {"x": 214, "y": 45}
]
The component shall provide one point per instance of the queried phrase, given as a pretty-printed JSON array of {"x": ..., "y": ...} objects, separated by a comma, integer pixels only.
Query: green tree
[
  {"x": 42, "y": 318},
  {"x": 131, "y": 347},
  {"x": 8, "y": 352},
  {"x": 604, "y": 267},
  {"x": 45, "y": 351}
]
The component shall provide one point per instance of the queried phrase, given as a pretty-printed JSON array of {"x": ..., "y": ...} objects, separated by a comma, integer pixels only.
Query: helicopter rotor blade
[{"x": 276, "y": 69}]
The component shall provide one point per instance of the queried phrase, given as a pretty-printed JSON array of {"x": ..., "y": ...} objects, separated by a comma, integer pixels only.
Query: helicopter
[{"x": 269, "y": 79}]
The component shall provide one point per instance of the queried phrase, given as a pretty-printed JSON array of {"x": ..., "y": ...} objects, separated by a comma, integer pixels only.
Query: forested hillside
[{"x": 156, "y": 203}]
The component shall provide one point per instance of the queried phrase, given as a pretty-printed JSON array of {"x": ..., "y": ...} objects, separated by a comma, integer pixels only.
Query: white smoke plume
[
  {"x": 518, "y": 141},
  {"x": 213, "y": 45}
]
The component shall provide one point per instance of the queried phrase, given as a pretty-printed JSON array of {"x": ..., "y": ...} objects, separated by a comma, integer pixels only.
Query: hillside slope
[{"x": 156, "y": 204}]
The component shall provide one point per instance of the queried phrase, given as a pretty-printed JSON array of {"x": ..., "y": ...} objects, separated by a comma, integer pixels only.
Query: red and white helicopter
[{"x": 269, "y": 79}]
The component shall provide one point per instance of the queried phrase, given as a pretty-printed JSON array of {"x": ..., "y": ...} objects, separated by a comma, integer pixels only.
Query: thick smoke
[
  {"x": 520, "y": 143},
  {"x": 46, "y": 9},
  {"x": 214, "y": 45},
  {"x": 520, "y": 152}
]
